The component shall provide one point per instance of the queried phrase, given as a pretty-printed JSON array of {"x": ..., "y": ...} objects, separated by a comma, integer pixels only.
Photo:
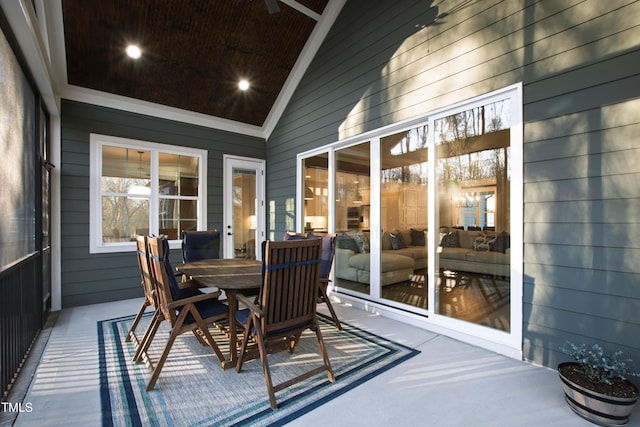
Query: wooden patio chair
[
  {"x": 184, "y": 314},
  {"x": 187, "y": 289},
  {"x": 286, "y": 306},
  {"x": 142, "y": 254},
  {"x": 328, "y": 253}
]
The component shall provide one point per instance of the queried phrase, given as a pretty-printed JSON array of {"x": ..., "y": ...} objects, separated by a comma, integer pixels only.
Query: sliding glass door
[
  {"x": 473, "y": 196},
  {"x": 315, "y": 170},
  {"x": 404, "y": 217},
  {"x": 425, "y": 216},
  {"x": 352, "y": 218}
]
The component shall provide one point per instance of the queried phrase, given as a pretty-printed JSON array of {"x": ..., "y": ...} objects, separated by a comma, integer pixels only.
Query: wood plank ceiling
[{"x": 194, "y": 52}]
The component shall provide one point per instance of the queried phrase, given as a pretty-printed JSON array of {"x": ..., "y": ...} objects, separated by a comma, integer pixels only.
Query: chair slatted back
[
  {"x": 197, "y": 245},
  {"x": 328, "y": 249},
  {"x": 167, "y": 289},
  {"x": 148, "y": 286},
  {"x": 328, "y": 252},
  {"x": 145, "y": 269},
  {"x": 291, "y": 273}
]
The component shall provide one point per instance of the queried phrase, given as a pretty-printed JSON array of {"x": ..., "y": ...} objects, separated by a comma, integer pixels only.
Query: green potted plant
[{"x": 595, "y": 384}]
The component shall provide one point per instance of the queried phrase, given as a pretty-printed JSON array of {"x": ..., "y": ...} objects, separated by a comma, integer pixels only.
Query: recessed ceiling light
[
  {"x": 243, "y": 84},
  {"x": 134, "y": 51}
]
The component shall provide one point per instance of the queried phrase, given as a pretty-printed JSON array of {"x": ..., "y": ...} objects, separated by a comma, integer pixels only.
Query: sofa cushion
[
  {"x": 418, "y": 237},
  {"x": 360, "y": 261},
  {"x": 488, "y": 257},
  {"x": 389, "y": 261},
  {"x": 392, "y": 262},
  {"x": 415, "y": 252},
  {"x": 454, "y": 253},
  {"x": 467, "y": 238}
]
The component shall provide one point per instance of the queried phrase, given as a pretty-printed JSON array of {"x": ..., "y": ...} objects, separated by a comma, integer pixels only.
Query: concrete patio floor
[{"x": 449, "y": 384}]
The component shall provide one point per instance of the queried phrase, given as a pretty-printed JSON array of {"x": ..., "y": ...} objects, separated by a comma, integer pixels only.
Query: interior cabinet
[{"x": 403, "y": 206}]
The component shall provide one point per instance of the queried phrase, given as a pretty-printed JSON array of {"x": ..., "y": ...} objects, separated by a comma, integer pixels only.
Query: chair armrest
[
  {"x": 342, "y": 256},
  {"x": 324, "y": 283},
  {"x": 188, "y": 283},
  {"x": 193, "y": 299},
  {"x": 250, "y": 305}
]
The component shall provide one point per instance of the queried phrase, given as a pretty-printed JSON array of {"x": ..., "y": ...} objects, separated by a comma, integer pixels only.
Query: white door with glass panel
[{"x": 244, "y": 221}]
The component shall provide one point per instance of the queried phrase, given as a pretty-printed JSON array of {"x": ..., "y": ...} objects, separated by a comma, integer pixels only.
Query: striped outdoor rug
[{"x": 193, "y": 390}]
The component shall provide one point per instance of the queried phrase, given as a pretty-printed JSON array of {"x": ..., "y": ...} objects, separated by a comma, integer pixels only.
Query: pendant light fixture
[
  {"x": 141, "y": 190},
  {"x": 358, "y": 198}
]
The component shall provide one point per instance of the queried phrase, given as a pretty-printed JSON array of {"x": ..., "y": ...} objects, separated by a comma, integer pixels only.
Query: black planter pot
[{"x": 596, "y": 407}]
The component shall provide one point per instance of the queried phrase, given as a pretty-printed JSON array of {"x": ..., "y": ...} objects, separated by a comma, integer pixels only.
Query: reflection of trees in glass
[
  {"x": 474, "y": 122},
  {"x": 464, "y": 154},
  {"x": 415, "y": 174},
  {"x": 476, "y": 166},
  {"x": 121, "y": 214},
  {"x": 400, "y": 146},
  {"x": 413, "y": 140}
]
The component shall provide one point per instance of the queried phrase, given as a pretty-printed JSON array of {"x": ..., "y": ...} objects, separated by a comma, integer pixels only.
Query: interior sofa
[
  {"x": 405, "y": 251},
  {"x": 476, "y": 252}
]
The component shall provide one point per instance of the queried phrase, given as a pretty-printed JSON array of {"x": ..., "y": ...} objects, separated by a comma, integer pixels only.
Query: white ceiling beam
[
  {"x": 303, "y": 9},
  {"x": 25, "y": 26},
  {"x": 119, "y": 102},
  {"x": 318, "y": 35}
]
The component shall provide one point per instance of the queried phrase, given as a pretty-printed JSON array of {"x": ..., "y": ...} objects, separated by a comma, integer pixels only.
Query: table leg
[{"x": 233, "y": 345}]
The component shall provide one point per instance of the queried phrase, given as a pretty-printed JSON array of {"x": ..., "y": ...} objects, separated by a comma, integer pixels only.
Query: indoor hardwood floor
[{"x": 475, "y": 298}]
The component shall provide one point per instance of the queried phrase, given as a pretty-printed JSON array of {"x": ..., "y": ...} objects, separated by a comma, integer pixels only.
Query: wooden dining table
[{"x": 233, "y": 276}]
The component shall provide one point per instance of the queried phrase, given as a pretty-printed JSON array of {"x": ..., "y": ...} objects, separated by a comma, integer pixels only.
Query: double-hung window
[{"x": 139, "y": 187}]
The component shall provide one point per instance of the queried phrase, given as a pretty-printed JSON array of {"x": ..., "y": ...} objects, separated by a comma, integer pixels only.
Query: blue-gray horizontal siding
[
  {"x": 384, "y": 62},
  {"x": 94, "y": 278},
  {"x": 582, "y": 278}
]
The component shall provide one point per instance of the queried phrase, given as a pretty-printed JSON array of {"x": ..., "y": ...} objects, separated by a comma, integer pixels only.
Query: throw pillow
[
  {"x": 344, "y": 241},
  {"x": 483, "y": 242},
  {"x": 450, "y": 240},
  {"x": 362, "y": 240},
  {"x": 386, "y": 241},
  {"x": 502, "y": 242},
  {"x": 418, "y": 237},
  {"x": 397, "y": 241}
]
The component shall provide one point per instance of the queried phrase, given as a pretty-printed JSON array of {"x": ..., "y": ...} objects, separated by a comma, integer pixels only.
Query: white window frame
[{"x": 97, "y": 141}]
